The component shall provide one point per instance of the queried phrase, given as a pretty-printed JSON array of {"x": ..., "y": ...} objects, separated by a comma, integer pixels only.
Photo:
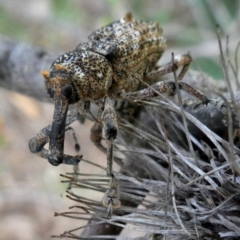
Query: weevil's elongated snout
[
  {"x": 57, "y": 135},
  {"x": 61, "y": 89}
]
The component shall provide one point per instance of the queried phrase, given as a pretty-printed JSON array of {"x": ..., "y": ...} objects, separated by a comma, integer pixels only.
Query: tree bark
[{"x": 21, "y": 65}]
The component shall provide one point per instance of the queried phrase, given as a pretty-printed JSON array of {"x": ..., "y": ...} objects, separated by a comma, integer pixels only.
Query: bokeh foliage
[{"x": 185, "y": 23}]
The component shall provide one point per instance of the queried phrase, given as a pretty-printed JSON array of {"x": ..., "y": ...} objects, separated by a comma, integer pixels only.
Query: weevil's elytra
[
  {"x": 111, "y": 65},
  {"x": 132, "y": 47}
]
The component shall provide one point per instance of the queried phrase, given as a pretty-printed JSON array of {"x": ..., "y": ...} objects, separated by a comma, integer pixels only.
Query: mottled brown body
[
  {"x": 111, "y": 65},
  {"x": 132, "y": 47}
]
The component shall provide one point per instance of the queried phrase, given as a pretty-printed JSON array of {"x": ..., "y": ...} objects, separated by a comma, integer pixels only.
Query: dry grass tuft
[{"x": 179, "y": 179}]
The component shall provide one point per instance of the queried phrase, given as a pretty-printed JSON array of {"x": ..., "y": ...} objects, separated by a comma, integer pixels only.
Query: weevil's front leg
[
  {"x": 183, "y": 61},
  {"x": 36, "y": 144},
  {"x": 96, "y": 136},
  {"x": 109, "y": 119}
]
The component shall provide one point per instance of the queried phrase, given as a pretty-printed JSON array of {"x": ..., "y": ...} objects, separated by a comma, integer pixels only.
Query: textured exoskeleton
[{"x": 112, "y": 64}]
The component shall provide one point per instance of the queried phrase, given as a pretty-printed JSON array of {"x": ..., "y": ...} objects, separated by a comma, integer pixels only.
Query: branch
[{"x": 21, "y": 65}]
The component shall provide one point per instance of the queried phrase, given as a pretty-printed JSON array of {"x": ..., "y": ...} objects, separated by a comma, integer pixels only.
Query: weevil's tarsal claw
[
  {"x": 57, "y": 134},
  {"x": 70, "y": 160}
]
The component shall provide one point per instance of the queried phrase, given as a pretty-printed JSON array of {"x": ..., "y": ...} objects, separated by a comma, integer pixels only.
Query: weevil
[{"x": 110, "y": 65}]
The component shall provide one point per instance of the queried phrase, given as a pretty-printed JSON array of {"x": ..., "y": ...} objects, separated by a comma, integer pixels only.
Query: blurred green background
[
  {"x": 30, "y": 189},
  {"x": 188, "y": 25}
]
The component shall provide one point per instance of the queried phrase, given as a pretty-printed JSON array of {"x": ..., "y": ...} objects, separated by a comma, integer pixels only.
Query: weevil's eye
[
  {"x": 67, "y": 91},
  {"x": 51, "y": 92}
]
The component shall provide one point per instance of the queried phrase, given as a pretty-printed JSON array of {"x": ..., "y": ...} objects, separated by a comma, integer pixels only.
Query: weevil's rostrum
[{"x": 111, "y": 65}]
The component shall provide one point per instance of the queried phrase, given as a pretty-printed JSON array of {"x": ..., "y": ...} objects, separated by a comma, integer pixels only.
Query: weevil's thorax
[
  {"x": 132, "y": 47},
  {"x": 89, "y": 73}
]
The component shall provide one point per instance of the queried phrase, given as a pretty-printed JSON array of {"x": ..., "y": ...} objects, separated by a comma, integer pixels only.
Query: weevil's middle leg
[
  {"x": 76, "y": 144},
  {"x": 96, "y": 133}
]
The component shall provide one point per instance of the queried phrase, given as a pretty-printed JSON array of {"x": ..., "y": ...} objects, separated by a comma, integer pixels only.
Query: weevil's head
[
  {"x": 84, "y": 75},
  {"x": 59, "y": 84},
  {"x": 61, "y": 88}
]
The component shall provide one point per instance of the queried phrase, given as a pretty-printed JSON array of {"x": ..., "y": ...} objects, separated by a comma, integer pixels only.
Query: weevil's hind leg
[
  {"x": 36, "y": 144},
  {"x": 183, "y": 61},
  {"x": 168, "y": 87}
]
